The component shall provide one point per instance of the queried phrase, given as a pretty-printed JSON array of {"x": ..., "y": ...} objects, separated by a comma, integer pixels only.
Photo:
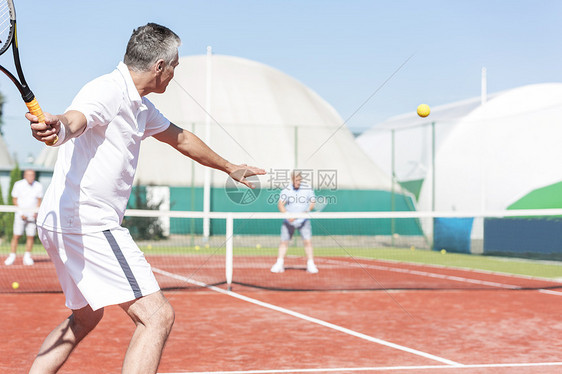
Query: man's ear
[{"x": 159, "y": 66}]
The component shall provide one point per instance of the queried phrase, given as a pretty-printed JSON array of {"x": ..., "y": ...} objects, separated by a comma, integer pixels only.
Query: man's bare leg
[
  {"x": 13, "y": 248},
  {"x": 63, "y": 339},
  {"x": 283, "y": 247},
  {"x": 310, "y": 265},
  {"x": 29, "y": 243},
  {"x": 279, "y": 265},
  {"x": 154, "y": 316},
  {"x": 308, "y": 250},
  {"x": 14, "y": 243}
]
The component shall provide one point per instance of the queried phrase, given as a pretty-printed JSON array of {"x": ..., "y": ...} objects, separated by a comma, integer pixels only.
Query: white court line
[
  {"x": 472, "y": 270},
  {"x": 550, "y": 292},
  {"x": 420, "y": 273},
  {"x": 311, "y": 319},
  {"x": 387, "y": 368},
  {"x": 436, "y": 275}
]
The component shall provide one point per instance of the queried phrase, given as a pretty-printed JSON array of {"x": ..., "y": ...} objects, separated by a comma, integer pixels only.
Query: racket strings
[{"x": 5, "y": 24}]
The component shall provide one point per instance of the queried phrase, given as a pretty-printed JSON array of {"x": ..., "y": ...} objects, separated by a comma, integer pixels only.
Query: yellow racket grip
[{"x": 35, "y": 109}]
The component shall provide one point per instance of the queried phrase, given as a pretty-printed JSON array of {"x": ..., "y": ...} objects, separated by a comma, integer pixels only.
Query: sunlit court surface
[{"x": 357, "y": 315}]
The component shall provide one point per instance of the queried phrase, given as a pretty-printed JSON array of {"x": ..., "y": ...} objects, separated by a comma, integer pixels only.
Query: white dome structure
[
  {"x": 499, "y": 152},
  {"x": 471, "y": 156},
  {"x": 414, "y": 137},
  {"x": 259, "y": 116},
  {"x": 487, "y": 155}
]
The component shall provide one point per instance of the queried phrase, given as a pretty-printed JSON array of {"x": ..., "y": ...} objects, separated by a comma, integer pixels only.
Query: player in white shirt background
[
  {"x": 296, "y": 198},
  {"x": 79, "y": 223},
  {"x": 26, "y": 195}
]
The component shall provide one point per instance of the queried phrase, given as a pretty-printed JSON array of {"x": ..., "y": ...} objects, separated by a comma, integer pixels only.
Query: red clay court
[{"x": 423, "y": 319}]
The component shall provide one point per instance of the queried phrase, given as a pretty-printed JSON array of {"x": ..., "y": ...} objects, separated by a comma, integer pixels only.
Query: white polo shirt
[
  {"x": 94, "y": 173},
  {"x": 297, "y": 201},
  {"x": 27, "y": 195}
]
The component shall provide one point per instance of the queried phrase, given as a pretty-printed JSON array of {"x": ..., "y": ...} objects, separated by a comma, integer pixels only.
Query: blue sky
[{"x": 343, "y": 50}]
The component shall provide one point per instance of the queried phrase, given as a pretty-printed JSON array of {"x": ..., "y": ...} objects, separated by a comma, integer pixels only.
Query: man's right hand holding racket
[{"x": 56, "y": 130}]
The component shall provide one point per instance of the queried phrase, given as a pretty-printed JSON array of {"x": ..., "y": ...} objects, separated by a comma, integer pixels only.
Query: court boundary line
[
  {"x": 317, "y": 321},
  {"x": 381, "y": 368},
  {"x": 448, "y": 277},
  {"x": 422, "y": 273},
  {"x": 550, "y": 292},
  {"x": 474, "y": 270}
]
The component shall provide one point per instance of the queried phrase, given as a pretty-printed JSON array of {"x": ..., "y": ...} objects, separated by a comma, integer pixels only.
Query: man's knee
[
  {"x": 169, "y": 316},
  {"x": 152, "y": 311},
  {"x": 164, "y": 316}
]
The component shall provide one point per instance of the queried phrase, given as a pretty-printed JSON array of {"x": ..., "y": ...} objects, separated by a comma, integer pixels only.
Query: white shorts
[
  {"x": 99, "y": 269},
  {"x": 21, "y": 225}
]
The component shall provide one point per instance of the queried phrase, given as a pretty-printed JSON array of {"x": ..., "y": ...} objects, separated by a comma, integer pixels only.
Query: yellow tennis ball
[
  {"x": 443, "y": 251},
  {"x": 423, "y": 110},
  {"x": 15, "y": 285},
  {"x": 258, "y": 246},
  {"x": 149, "y": 246},
  {"x": 197, "y": 248}
]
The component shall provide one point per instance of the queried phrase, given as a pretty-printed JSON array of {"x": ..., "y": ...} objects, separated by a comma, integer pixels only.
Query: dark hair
[{"x": 150, "y": 43}]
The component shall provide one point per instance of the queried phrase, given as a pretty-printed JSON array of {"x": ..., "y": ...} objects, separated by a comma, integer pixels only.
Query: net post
[{"x": 229, "y": 250}]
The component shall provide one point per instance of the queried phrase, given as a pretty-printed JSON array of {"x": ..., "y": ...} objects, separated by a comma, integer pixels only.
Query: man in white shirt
[
  {"x": 296, "y": 198},
  {"x": 79, "y": 223},
  {"x": 26, "y": 195}
]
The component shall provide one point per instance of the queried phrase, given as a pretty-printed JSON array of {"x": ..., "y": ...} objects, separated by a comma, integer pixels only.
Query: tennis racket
[
  {"x": 321, "y": 203},
  {"x": 8, "y": 36}
]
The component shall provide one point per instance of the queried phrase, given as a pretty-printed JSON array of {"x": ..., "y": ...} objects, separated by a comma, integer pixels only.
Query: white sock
[
  {"x": 27, "y": 254},
  {"x": 12, "y": 255}
]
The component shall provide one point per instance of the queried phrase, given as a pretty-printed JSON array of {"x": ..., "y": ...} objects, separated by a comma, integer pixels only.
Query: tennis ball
[
  {"x": 15, "y": 285},
  {"x": 197, "y": 248},
  {"x": 423, "y": 110},
  {"x": 258, "y": 246},
  {"x": 206, "y": 245},
  {"x": 149, "y": 246},
  {"x": 443, "y": 251},
  {"x": 412, "y": 248}
]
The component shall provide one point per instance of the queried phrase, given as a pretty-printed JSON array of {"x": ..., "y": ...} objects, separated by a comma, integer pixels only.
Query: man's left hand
[{"x": 241, "y": 172}]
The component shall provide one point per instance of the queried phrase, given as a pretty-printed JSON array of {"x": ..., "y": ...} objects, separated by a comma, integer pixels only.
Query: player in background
[
  {"x": 296, "y": 198},
  {"x": 26, "y": 195}
]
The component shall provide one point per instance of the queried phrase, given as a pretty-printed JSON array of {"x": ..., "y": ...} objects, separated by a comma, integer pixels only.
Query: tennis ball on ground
[
  {"x": 258, "y": 246},
  {"x": 412, "y": 248},
  {"x": 15, "y": 285},
  {"x": 197, "y": 248},
  {"x": 149, "y": 246},
  {"x": 443, "y": 251},
  {"x": 423, "y": 110}
]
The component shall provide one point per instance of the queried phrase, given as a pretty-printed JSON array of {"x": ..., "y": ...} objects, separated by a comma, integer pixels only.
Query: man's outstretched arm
[{"x": 190, "y": 145}]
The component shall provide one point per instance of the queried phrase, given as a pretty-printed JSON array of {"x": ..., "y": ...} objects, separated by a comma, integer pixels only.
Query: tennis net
[{"x": 352, "y": 250}]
